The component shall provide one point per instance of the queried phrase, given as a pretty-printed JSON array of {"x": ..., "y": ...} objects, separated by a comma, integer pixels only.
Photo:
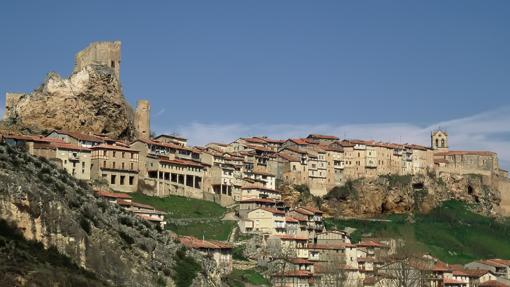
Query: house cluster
[{"x": 229, "y": 173}]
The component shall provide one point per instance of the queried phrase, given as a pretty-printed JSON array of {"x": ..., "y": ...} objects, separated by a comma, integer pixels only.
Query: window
[
  {"x": 132, "y": 155},
  {"x": 131, "y": 180},
  {"x": 104, "y": 153},
  {"x": 442, "y": 143},
  {"x": 132, "y": 166},
  {"x": 123, "y": 154},
  {"x": 437, "y": 142},
  {"x": 113, "y": 164},
  {"x": 113, "y": 153},
  {"x": 113, "y": 179},
  {"x": 104, "y": 163},
  {"x": 82, "y": 164},
  {"x": 112, "y": 64},
  {"x": 122, "y": 165},
  {"x": 122, "y": 179}
]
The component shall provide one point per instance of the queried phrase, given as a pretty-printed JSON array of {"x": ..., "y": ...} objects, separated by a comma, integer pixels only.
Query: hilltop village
[{"x": 248, "y": 174}]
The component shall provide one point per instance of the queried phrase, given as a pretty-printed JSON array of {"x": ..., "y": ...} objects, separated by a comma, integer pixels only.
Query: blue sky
[{"x": 215, "y": 70}]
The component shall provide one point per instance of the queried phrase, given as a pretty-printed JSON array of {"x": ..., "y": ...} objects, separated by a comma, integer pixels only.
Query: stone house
[
  {"x": 76, "y": 138},
  {"x": 75, "y": 159},
  {"x": 117, "y": 164},
  {"x": 264, "y": 220},
  {"x": 220, "y": 252}
]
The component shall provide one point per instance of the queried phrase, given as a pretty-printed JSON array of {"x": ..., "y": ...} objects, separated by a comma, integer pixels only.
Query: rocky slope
[
  {"x": 404, "y": 194},
  {"x": 90, "y": 100},
  {"x": 106, "y": 243}
]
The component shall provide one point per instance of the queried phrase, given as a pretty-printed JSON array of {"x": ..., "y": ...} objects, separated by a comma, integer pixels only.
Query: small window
[
  {"x": 112, "y": 64},
  {"x": 131, "y": 180},
  {"x": 113, "y": 179}
]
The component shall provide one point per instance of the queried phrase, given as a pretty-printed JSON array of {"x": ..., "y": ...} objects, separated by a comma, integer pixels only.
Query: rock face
[
  {"x": 405, "y": 194},
  {"x": 90, "y": 100},
  {"x": 52, "y": 208}
]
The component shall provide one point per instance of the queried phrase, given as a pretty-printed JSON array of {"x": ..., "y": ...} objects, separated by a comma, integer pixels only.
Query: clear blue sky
[{"x": 277, "y": 62}]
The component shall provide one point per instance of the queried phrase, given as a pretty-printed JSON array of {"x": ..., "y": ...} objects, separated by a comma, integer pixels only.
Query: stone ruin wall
[{"x": 100, "y": 53}]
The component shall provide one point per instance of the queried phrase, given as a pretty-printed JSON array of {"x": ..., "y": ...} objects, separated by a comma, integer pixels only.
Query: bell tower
[
  {"x": 142, "y": 119},
  {"x": 439, "y": 140}
]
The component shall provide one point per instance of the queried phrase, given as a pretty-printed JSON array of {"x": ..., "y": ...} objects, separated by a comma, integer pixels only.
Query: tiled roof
[
  {"x": 332, "y": 246},
  {"x": 291, "y": 237},
  {"x": 496, "y": 262},
  {"x": 314, "y": 210},
  {"x": 299, "y": 141},
  {"x": 371, "y": 243},
  {"x": 291, "y": 219},
  {"x": 303, "y": 211},
  {"x": 260, "y": 200},
  {"x": 326, "y": 137},
  {"x": 452, "y": 281},
  {"x": 113, "y": 147},
  {"x": 182, "y": 162},
  {"x": 272, "y": 210},
  {"x": 63, "y": 146},
  {"x": 135, "y": 204},
  {"x": 80, "y": 136},
  {"x": 288, "y": 157},
  {"x": 493, "y": 283},
  {"x": 103, "y": 193},
  {"x": 193, "y": 242},
  {"x": 295, "y": 273}
]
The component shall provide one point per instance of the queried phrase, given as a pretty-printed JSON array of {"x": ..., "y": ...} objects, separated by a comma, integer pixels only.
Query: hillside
[
  {"x": 451, "y": 232},
  {"x": 84, "y": 235}
]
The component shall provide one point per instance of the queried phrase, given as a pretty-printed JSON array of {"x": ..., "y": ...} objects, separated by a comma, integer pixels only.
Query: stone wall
[
  {"x": 142, "y": 119},
  {"x": 100, "y": 53}
]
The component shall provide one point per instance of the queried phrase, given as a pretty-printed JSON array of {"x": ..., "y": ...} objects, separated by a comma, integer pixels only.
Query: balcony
[
  {"x": 371, "y": 163},
  {"x": 279, "y": 225},
  {"x": 74, "y": 157}
]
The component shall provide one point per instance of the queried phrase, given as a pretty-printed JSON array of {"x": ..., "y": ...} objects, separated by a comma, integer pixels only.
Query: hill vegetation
[{"x": 451, "y": 232}]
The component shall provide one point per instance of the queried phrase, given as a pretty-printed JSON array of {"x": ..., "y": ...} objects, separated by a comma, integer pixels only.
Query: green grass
[
  {"x": 214, "y": 230},
  {"x": 238, "y": 278},
  {"x": 450, "y": 232},
  {"x": 182, "y": 207}
]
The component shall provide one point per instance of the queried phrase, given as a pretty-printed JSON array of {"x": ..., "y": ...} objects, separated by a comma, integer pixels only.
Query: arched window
[
  {"x": 437, "y": 142},
  {"x": 442, "y": 143}
]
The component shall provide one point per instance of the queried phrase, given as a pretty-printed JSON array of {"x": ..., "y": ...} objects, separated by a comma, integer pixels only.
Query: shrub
[
  {"x": 238, "y": 253},
  {"x": 344, "y": 192},
  {"x": 126, "y": 237},
  {"x": 186, "y": 268},
  {"x": 85, "y": 225}
]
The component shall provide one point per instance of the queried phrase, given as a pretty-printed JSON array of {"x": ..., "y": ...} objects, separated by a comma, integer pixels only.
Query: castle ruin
[
  {"x": 100, "y": 53},
  {"x": 142, "y": 119}
]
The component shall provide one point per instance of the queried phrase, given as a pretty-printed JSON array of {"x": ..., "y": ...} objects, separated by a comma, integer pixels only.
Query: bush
[
  {"x": 398, "y": 180},
  {"x": 186, "y": 268},
  {"x": 126, "y": 237},
  {"x": 347, "y": 191},
  {"x": 238, "y": 253},
  {"x": 85, "y": 225}
]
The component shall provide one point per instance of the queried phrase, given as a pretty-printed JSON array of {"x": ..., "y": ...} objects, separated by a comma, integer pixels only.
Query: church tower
[{"x": 439, "y": 140}]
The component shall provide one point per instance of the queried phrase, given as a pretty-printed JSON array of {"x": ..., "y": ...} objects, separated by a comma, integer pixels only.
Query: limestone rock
[{"x": 90, "y": 100}]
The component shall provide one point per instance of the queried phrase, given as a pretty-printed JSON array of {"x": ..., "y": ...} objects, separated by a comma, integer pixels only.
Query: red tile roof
[
  {"x": 291, "y": 237},
  {"x": 259, "y": 200},
  {"x": 332, "y": 246},
  {"x": 496, "y": 262},
  {"x": 295, "y": 273},
  {"x": 108, "y": 194},
  {"x": 291, "y": 219},
  {"x": 371, "y": 243},
  {"x": 113, "y": 147},
  {"x": 80, "y": 136},
  {"x": 492, "y": 283},
  {"x": 195, "y": 243},
  {"x": 135, "y": 204},
  {"x": 451, "y": 281},
  {"x": 182, "y": 162},
  {"x": 272, "y": 210},
  {"x": 61, "y": 145},
  {"x": 299, "y": 141},
  {"x": 326, "y": 137}
]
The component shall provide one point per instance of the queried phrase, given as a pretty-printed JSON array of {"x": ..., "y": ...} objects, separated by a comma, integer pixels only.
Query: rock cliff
[
  {"x": 110, "y": 245},
  {"x": 405, "y": 194},
  {"x": 90, "y": 100}
]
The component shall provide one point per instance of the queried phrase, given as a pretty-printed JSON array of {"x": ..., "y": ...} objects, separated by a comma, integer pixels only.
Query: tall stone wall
[
  {"x": 11, "y": 101},
  {"x": 100, "y": 53},
  {"x": 142, "y": 119}
]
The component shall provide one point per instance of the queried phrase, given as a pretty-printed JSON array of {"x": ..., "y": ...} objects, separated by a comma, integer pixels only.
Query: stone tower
[
  {"x": 439, "y": 140},
  {"x": 100, "y": 53},
  {"x": 142, "y": 119},
  {"x": 11, "y": 101}
]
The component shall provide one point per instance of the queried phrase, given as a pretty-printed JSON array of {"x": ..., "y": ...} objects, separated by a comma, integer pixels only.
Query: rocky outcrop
[
  {"x": 116, "y": 247},
  {"x": 90, "y": 100},
  {"x": 405, "y": 194}
]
